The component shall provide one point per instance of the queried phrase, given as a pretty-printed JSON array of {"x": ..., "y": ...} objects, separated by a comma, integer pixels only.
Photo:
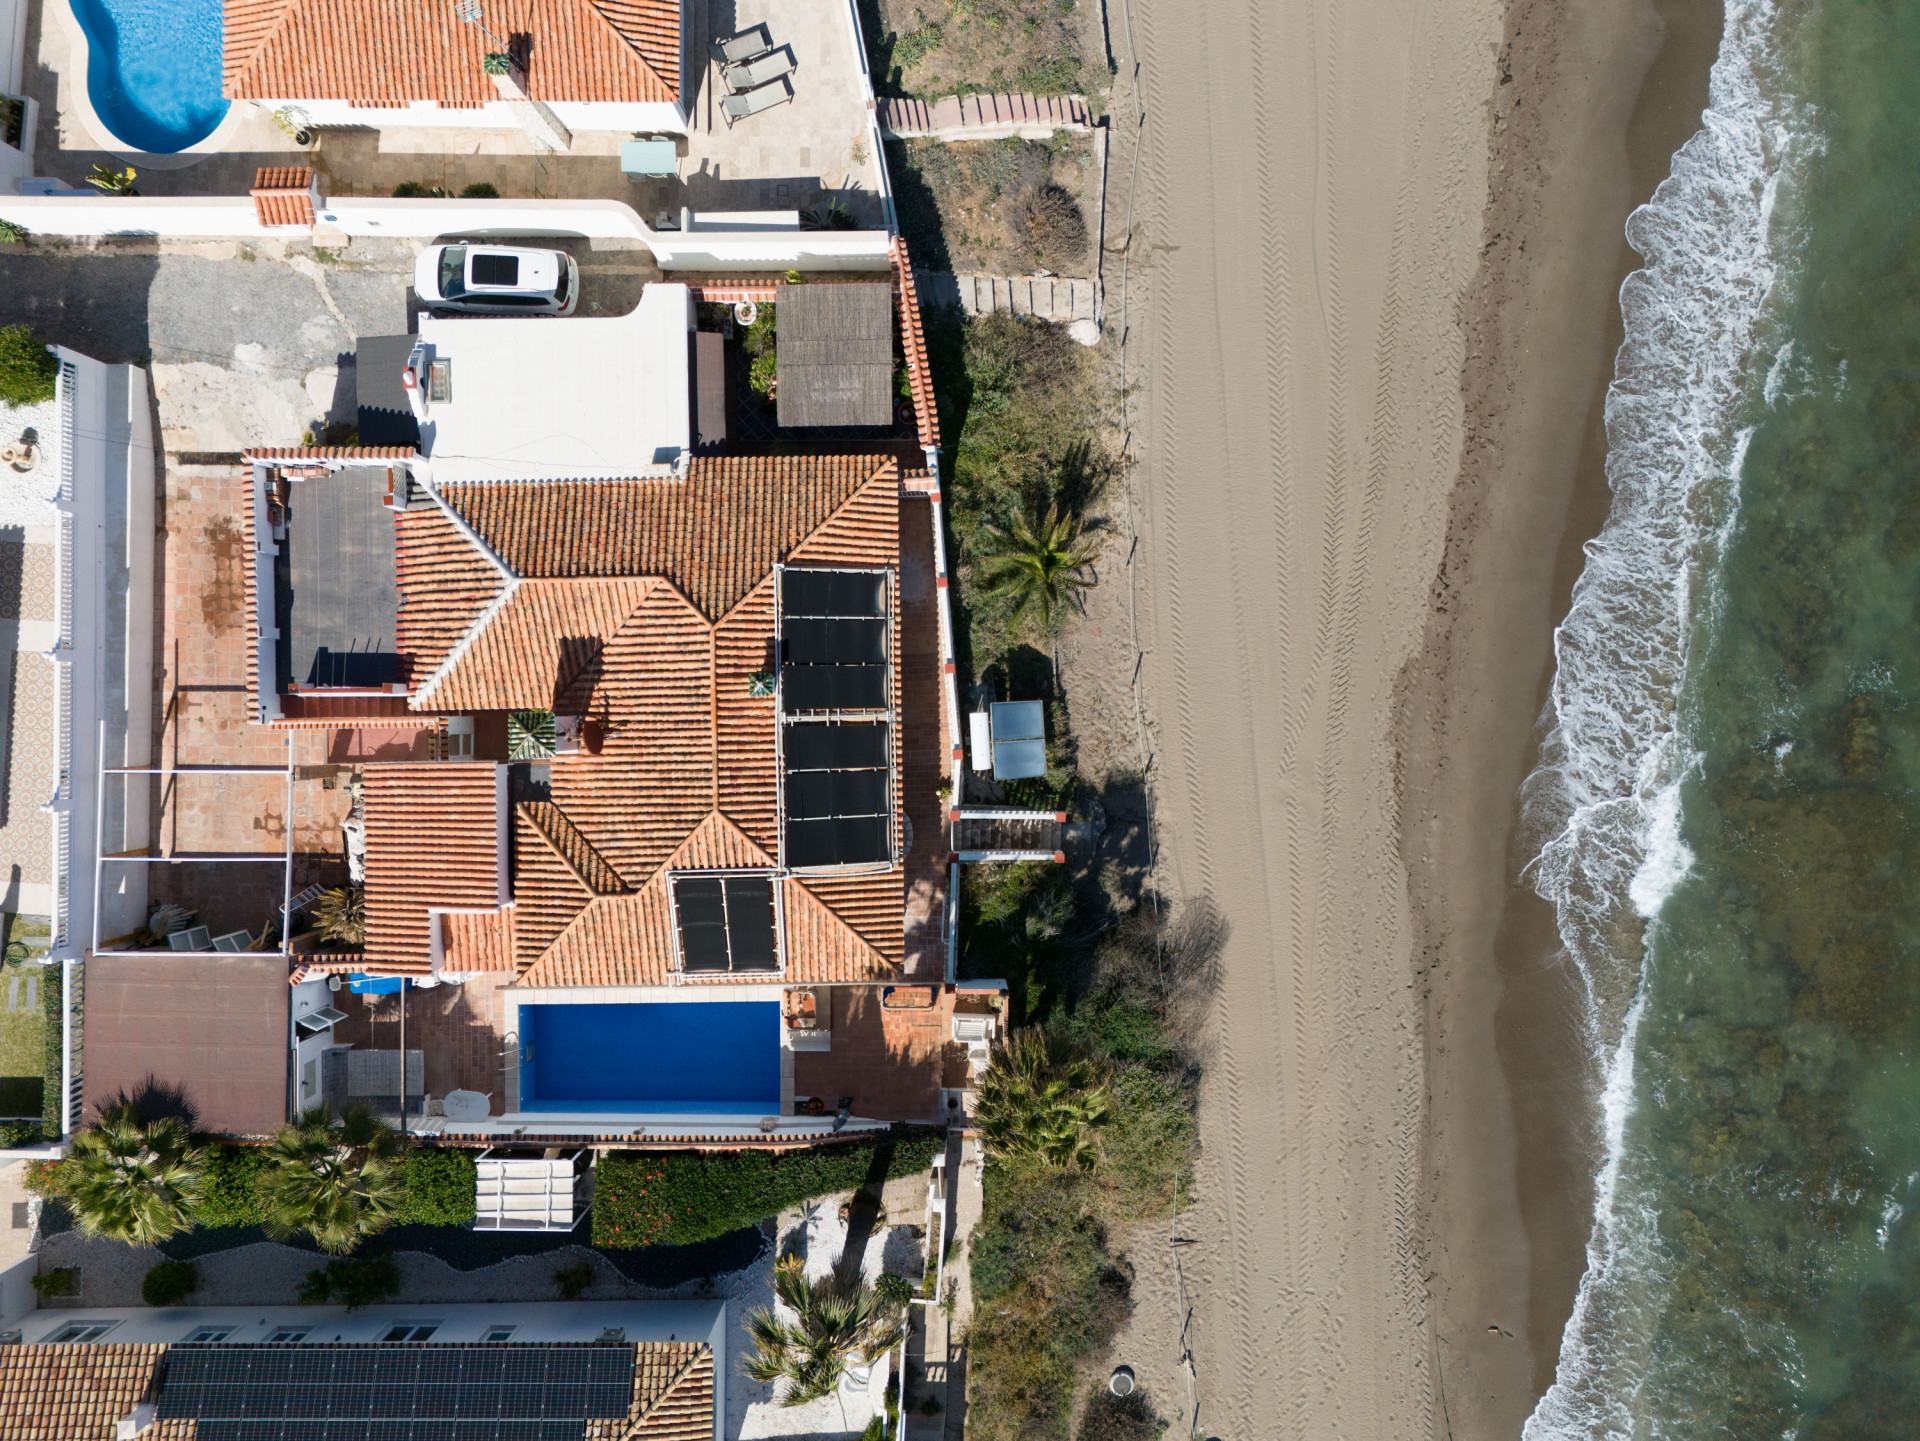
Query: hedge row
[
  {"x": 439, "y": 1187},
  {"x": 645, "y": 1199}
]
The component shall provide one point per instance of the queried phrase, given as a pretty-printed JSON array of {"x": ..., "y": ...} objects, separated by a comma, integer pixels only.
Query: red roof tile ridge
[
  {"x": 572, "y": 847},
  {"x": 424, "y": 691}
]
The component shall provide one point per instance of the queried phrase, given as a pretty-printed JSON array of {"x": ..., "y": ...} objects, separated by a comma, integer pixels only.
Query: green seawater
[{"x": 1764, "y": 1279}]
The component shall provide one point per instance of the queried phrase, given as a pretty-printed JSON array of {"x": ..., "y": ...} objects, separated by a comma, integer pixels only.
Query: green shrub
[
  {"x": 28, "y": 373},
  {"x": 230, "y": 1186},
  {"x": 1045, "y": 1294},
  {"x": 52, "y": 1103},
  {"x": 61, "y": 1281},
  {"x": 677, "y": 1197},
  {"x": 352, "y": 1281},
  {"x": 18, "y": 1133},
  {"x": 480, "y": 190},
  {"x": 572, "y": 1281},
  {"x": 440, "y": 1187},
  {"x": 169, "y": 1283},
  {"x": 409, "y": 190}
]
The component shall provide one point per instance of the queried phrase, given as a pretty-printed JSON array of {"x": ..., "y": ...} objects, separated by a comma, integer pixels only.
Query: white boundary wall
[{"x": 709, "y": 246}]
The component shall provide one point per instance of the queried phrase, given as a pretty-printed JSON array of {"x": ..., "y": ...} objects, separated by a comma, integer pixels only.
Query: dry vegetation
[
  {"x": 932, "y": 48},
  {"x": 1001, "y": 207}
]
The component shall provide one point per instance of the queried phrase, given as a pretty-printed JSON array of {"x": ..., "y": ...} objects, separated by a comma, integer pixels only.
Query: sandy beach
[{"x": 1366, "y": 260}]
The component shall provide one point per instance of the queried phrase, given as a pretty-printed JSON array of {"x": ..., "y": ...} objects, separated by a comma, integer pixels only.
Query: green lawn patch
[{"x": 671, "y": 1198}]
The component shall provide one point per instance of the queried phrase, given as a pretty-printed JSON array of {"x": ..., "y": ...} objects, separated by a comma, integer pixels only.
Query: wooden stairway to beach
[{"x": 985, "y": 117}]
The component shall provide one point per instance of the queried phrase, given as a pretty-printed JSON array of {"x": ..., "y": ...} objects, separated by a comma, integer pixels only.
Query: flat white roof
[
  {"x": 532, "y": 1321},
  {"x": 570, "y": 398}
]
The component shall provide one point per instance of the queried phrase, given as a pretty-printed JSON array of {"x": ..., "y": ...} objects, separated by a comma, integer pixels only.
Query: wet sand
[
  {"x": 1364, "y": 263},
  {"x": 1598, "y": 102}
]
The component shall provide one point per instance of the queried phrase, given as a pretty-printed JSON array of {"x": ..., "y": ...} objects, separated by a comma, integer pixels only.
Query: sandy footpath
[{"x": 1324, "y": 316}]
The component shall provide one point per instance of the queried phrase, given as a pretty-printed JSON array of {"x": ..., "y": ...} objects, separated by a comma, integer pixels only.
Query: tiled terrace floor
[
  {"x": 200, "y": 637},
  {"x": 893, "y": 1063},
  {"x": 458, "y": 1027}
]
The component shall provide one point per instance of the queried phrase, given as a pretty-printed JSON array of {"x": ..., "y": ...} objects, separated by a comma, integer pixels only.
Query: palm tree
[
  {"x": 1038, "y": 564},
  {"x": 1043, "y": 1097},
  {"x": 132, "y": 1180},
  {"x": 334, "y": 1178},
  {"x": 835, "y": 1318}
]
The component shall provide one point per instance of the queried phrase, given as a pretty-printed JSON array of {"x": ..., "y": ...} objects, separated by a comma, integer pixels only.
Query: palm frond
[
  {"x": 133, "y": 1180},
  {"x": 1037, "y": 563}
]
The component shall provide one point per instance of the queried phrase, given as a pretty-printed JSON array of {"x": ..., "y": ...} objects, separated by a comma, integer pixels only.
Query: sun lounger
[
  {"x": 752, "y": 74},
  {"x": 744, "y": 46},
  {"x": 193, "y": 938},
  {"x": 739, "y": 107}
]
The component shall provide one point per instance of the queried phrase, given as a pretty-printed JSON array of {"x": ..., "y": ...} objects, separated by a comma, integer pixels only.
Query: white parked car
[{"x": 496, "y": 280}]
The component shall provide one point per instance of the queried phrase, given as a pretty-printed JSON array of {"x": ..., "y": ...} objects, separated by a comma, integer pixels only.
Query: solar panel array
[
  {"x": 833, "y": 640},
  {"x": 395, "y": 1392},
  {"x": 836, "y": 794},
  {"x": 726, "y": 922}
]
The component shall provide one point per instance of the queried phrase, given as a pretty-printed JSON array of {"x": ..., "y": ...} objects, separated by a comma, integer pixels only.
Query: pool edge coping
[{"x": 80, "y": 49}]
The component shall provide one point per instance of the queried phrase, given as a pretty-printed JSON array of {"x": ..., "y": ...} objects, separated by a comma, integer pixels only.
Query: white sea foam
[{"x": 1604, "y": 805}]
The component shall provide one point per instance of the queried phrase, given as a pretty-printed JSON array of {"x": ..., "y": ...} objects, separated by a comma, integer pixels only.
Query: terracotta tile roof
[
  {"x": 445, "y": 586},
  {"x": 281, "y": 195},
  {"x": 477, "y": 940},
  {"x": 72, "y": 1393},
  {"x": 715, "y": 534},
  {"x": 433, "y": 840},
  {"x": 572, "y": 848},
  {"x": 376, "y": 52},
  {"x": 290, "y": 454},
  {"x": 672, "y": 1396},
  {"x": 913, "y": 336},
  {"x": 646, "y": 607},
  {"x": 539, "y": 642}
]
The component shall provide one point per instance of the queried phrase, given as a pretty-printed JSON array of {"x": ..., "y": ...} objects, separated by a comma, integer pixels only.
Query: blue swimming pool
[
  {"x": 721, "y": 1057},
  {"x": 153, "y": 69}
]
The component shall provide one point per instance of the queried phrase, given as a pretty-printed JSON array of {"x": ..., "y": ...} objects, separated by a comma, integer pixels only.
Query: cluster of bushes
[
  {"x": 439, "y": 1184},
  {"x": 675, "y": 1198},
  {"x": 27, "y": 368},
  {"x": 1090, "y": 1130},
  {"x": 142, "y": 1182}
]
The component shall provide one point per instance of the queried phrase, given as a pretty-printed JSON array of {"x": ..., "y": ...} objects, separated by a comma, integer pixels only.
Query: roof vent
[{"x": 134, "y": 1423}]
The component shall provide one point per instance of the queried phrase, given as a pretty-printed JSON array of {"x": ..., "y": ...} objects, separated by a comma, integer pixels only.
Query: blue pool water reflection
[
  {"x": 720, "y": 1057},
  {"x": 153, "y": 69}
]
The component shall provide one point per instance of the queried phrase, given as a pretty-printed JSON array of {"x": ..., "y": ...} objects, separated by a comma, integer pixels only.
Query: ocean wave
[{"x": 1602, "y": 809}]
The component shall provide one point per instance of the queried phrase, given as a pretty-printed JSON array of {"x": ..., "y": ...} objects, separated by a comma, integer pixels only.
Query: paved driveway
[{"x": 250, "y": 344}]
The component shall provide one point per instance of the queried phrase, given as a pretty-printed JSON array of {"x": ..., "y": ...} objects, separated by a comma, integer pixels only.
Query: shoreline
[{"x": 1596, "y": 105}]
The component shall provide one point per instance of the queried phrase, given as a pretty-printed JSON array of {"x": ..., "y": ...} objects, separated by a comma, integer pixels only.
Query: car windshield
[
  {"x": 453, "y": 272},
  {"x": 560, "y": 289}
]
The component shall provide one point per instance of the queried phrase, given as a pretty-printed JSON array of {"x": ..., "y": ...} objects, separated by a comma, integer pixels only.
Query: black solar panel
[
  {"x": 456, "y": 1392},
  {"x": 726, "y": 923},
  {"x": 833, "y": 640},
  {"x": 851, "y": 593},
  {"x": 837, "y": 795}
]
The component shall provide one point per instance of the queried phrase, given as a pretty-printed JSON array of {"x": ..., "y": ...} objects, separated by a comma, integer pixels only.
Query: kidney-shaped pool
[{"x": 153, "y": 69}]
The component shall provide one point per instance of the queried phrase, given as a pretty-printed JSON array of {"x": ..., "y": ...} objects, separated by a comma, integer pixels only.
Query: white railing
[
  {"x": 69, "y": 429},
  {"x": 62, "y": 857}
]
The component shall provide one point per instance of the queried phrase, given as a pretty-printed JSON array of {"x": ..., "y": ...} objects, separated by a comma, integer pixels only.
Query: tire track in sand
[{"x": 1322, "y": 139}]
